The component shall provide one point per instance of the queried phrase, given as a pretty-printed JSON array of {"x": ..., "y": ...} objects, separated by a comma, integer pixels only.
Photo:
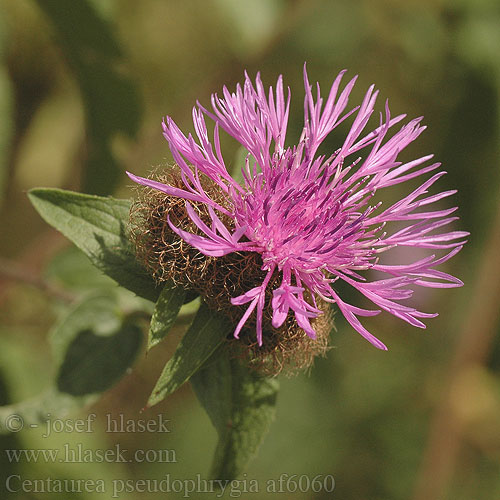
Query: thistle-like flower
[{"x": 312, "y": 218}]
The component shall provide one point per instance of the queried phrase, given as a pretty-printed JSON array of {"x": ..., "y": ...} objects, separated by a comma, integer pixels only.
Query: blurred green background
[{"x": 83, "y": 88}]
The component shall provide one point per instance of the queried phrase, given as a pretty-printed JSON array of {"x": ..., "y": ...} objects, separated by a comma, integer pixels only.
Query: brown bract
[{"x": 217, "y": 279}]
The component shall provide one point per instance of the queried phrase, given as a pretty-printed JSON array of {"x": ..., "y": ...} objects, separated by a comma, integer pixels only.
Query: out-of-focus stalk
[{"x": 474, "y": 344}]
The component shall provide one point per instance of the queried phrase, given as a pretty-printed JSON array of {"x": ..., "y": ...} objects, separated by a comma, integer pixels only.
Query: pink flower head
[{"x": 311, "y": 217}]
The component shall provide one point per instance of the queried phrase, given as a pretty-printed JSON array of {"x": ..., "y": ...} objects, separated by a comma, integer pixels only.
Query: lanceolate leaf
[
  {"x": 166, "y": 311},
  {"x": 206, "y": 333},
  {"x": 241, "y": 406},
  {"x": 97, "y": 226}
]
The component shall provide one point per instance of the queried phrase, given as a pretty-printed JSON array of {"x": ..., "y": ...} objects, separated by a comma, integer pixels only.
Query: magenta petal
[
  {"x": 172, "y": 191},
  {"x": 246, "y": 297},
  {"x": 303, "y": 322},
  {"x": 204, "y": 245},
  {"x": 244, "y": 318}
]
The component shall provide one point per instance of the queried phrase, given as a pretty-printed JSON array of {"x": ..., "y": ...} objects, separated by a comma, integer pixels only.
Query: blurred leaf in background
[
  {"x": 93, "y": 346},
  {"x": 6, "y": 114},
  {"x": 110, "y": 98}
]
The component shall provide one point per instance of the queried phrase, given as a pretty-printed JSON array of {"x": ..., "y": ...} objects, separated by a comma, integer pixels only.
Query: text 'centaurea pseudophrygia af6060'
[{"x": 313, "y": 219}]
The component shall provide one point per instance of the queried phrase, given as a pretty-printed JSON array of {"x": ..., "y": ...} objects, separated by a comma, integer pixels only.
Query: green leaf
[
  {"x": 98, "y": 313},
  {"x": 240, "y": 404},
  {"x": 94, "y": 363},
  {"x": 206, "y": 333},
  {"x": 97, "y": 226},
  {"x": 166, "y": 310},
  {"x": 94, "y": 346}
]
